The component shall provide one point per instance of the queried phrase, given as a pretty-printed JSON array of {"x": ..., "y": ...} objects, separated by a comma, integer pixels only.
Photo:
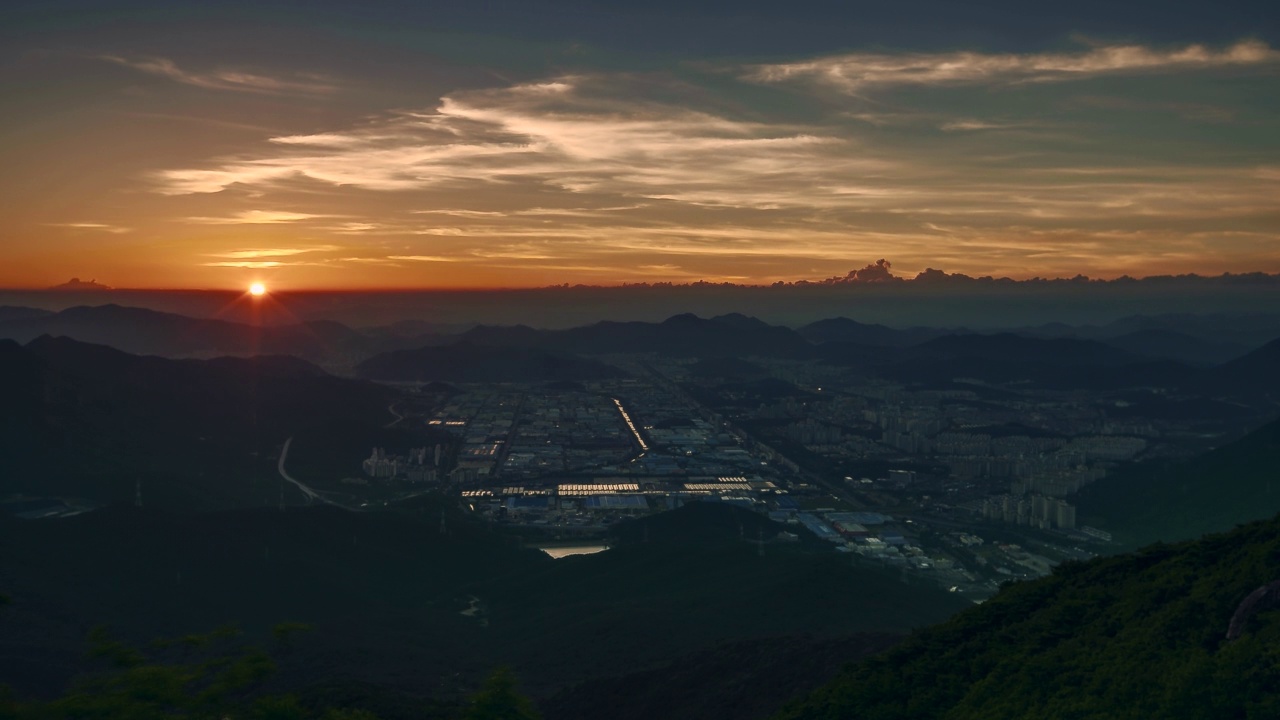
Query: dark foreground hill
[
  {"x": 1233, "y": 484},
  {"x": 87, "y": 420},
  {"x": 1134, "y": 636},
  {"x": 400, "y": 608},
  {"x": 744, "y": 680}
]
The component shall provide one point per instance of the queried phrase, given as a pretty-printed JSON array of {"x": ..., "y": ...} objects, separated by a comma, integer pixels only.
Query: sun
[{"x": 257, "y": 289}]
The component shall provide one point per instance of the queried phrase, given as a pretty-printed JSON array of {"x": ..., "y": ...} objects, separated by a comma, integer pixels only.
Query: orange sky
[{"x": 195, "y": 165}]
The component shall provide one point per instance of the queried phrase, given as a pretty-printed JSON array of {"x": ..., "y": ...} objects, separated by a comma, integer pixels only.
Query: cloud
[
  {"x": 234, "y": 80},
  {"x": 515, "y": 251},
  {"x": 573, "y": 135},
  {"x": 584, "y": 170},
  {"x": 273, "y": 252},
  {"x": 576, "y": 212},
  {"x": 101, "y": 227},
  {"x": 424, "y": 258},
  {"x": 975, "y": 125},
  {"x": 362, "y": 228},
  {"x": 257, "y": 217},
  {"x": 854, "y": 72},
  {"x": 462, "y": 213},
  {"x": 368, "y": 260},
  {"x": 253, "y": 264}
]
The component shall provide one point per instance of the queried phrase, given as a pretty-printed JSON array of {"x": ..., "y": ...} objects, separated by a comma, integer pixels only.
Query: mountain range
[
  {"x": 684, "y": 335},
  {"x": 149, "y": 332},
  {"x": 470, "y": 363},
  {"x": 1183, "y": 338}
]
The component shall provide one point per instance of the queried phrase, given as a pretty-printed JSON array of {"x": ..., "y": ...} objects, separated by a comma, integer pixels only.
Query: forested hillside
[{"x": 1135, "y": 636}]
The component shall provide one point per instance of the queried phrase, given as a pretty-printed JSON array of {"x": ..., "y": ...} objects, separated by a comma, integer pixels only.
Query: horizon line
[{"x": 928, "y": 277}]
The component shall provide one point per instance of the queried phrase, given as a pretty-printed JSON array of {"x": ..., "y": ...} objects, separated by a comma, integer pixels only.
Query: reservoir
[{"x": 561, "y": 551}]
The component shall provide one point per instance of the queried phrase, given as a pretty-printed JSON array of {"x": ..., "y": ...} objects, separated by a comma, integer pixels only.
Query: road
[
  {"x": 392, "y": 409},
  {"x": 306, "y": 491},
  {"x": 626, "y": 418},
  {"x": 834, "y": 487}
]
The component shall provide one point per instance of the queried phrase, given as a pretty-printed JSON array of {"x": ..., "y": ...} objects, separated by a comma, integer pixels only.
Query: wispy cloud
[
  {"x": 854, "y": 72},
  {"x": 425, "y": 258},
  {"x": 363, "y": 228},
  {"x": 971, "y": 125},
  {"x": 257, "y": 217},
  {"x": 252, "y": 264},
  {"x": 591, "y": 170},
  {"x": 516, "y": 251},
  {"x": 273, "y": 252},
  {"x": 572, "y": 134},
  {"x": 462, "y": 213},
  {"x": 99, "y": 227},
  {"x": 225, "y": 79},
  {"x": 367, "y": 260}
]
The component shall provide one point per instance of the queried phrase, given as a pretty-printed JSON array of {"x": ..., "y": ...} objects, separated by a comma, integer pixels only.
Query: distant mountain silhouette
[
  {"x": 415, "y": 328},
  {"x": 10, "y": 313},
  {"x": 508, "y": 336},
  {"x": 1054, "y": 363},
  {"x": 1011, "y": 347},
  {"x": 728, "y": 368},
  {"x": 1244, "y": 330},
  {"x": 842, "y": 329},
  {"x": 742, "y": 322},
  {"x": 684, "y": 335},
  {"x": 1240, "y": 331},
  {"x": 150, "y": 332},
  {"x": 1163, "y": 343},
  {"x": 468, "y": 362},
  {"x": 1259, "y": 368}
]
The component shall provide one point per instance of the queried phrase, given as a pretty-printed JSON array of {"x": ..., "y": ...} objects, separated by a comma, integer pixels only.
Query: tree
[
  {"x": 139, "y": 687},
  {"x": 498, "y": 699}
]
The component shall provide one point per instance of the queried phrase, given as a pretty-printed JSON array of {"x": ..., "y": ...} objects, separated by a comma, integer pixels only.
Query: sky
[{"x": 497, "y": 143}]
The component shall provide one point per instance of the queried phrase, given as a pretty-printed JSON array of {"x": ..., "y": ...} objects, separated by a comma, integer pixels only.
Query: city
[{"x": 966, "y": 486}]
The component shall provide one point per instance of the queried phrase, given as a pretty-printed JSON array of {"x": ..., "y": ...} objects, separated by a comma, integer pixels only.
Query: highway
[
  {"x": 392, "y": 409},
  {"x": 644, "y": 447},
  {"x": 834, "y": 487},
  {"x": 306, "y": 491}
]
